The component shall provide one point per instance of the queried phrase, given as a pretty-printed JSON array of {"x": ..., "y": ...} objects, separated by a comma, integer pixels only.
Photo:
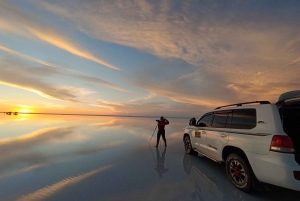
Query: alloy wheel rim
[
  {"x": 187, "y": 144},
  {"x": 237, "y": 172}
]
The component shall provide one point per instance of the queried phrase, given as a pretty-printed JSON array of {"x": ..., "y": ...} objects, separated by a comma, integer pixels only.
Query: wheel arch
[{"x": 227, "y": 150}]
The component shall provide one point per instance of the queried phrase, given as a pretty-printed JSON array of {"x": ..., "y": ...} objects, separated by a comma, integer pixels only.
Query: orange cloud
[
  {"x": 54, "y": 39},
  {"x": 25, "y": 25}
]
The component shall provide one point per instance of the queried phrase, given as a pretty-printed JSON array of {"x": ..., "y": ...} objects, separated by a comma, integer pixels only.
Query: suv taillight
[{"x": 281, "y": 143}]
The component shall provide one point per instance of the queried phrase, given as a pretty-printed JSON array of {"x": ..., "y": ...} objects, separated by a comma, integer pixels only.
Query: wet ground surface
[{"x": 70, "y": 158}]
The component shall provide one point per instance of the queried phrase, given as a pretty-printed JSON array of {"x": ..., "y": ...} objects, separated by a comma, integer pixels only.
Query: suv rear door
[{"x": 289, "y": 109}]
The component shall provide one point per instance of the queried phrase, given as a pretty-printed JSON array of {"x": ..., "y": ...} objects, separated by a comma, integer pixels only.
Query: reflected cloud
[
  {"x": 40, "y": 136},
  {"x": 175, "y": 137},
  {"x": 50, "y": 190},
  {"x": 92, "y": 150},
  {"x": 206, "y": 186},
  {"x": 19, "y": 149},
  {"x": 108, "y": 123},
  {"x": 50, "y": 159}
]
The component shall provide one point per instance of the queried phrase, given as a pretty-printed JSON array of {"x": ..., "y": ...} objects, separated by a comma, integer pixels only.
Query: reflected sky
[{"x": 106, "y": 158}]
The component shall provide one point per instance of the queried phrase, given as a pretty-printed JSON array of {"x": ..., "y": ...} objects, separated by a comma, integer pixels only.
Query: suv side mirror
[
  {"x": 201, "y": 125},
  {"x": 192, "y": 121}
]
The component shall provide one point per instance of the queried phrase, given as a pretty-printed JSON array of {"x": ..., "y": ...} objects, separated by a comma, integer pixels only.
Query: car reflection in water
[
  {"x": 207, "y": 187},
  {"x": 160, "y": 162}
]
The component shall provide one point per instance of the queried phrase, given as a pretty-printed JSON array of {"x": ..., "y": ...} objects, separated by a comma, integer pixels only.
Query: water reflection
[
  {"x": 50, "y": 158},
  {"x": 160, "y": 162},
  {"x": 59, "y": 159},
  {"x": 49, "y": 190},
  {"x": 208, "y": 185}
]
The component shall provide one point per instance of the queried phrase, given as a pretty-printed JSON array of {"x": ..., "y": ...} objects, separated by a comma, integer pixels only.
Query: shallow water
[{"x": 103, "y": 158}]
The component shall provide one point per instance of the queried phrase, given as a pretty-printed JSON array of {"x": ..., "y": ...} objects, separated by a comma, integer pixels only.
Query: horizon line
[{"x": 104, "y": 115}]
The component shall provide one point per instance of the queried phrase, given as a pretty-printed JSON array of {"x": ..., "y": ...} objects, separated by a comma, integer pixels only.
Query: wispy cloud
[
  {"x": 78, "y": 74},
  {"x": 26, "y": 25},
  {"x": 18, "y": 75},
  {"x": 143, "y": 98},
  {"x": 96, "y": 80},
  {"x": 6, "y": 49},
  {"x": 230, "y": 43}
]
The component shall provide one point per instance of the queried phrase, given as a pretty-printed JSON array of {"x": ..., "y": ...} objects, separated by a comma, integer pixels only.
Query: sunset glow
[{"x": 139, "y": 57}]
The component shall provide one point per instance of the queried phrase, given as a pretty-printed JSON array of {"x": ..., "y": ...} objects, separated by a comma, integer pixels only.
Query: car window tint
[
  {"x": 220, "y": 120},
  {"x": 243, "y": 119},
  {"x": 205, "y": 121}
]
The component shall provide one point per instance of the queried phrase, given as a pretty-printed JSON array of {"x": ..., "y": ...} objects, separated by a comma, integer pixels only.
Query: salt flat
[{"x": 97, "y": 158}]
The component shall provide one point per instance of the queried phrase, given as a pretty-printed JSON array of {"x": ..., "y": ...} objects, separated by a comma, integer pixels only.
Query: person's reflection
[{"x": 160, "y": 162}]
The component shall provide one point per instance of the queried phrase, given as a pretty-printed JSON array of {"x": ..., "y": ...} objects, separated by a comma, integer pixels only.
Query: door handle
[
  {"x": 223, "y": 135},
  {"x": 203, "y": 132}
]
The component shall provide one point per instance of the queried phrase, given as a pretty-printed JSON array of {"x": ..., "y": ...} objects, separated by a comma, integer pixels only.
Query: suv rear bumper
[{"x": 275, "y": 168}]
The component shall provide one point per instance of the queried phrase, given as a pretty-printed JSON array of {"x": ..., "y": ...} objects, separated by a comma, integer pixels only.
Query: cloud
[
  {"x": 28, "y": 26},
  {"x": 78, "y": 74},
  {"x": 20, "y": 171},
  {"x": 6, "y": 49},
  {"x": 50, "y": 190},
  {"x": 16, "y": 74},
  {"x": 184, "y": 84},
  {"x": 230, "y": 44},
  {"x": 143, "y": 98},
  {"x": 96, "y": 80}
]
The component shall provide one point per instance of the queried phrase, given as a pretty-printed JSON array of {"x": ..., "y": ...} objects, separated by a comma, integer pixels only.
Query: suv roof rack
[{"x": 240, "y": 104}]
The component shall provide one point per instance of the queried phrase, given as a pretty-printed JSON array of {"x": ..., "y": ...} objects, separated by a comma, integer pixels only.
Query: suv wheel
[
  {"x": 239, "y": 172},
  {"x": 188, "y": 145}
]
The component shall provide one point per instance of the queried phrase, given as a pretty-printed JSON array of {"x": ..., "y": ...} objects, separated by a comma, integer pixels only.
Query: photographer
[{"x": 161, "y": 129}]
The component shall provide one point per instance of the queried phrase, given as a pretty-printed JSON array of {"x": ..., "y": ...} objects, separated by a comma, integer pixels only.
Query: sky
[{"x": 142, "y": 57}]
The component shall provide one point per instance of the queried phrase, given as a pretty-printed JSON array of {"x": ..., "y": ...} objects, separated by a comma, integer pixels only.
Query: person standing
[{"x": 161, "y": 130}]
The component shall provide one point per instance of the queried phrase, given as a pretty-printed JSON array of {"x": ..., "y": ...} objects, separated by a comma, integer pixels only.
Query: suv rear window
[
  {"x": 220, "y": 120},
  {"x": 243, "y": 119}
]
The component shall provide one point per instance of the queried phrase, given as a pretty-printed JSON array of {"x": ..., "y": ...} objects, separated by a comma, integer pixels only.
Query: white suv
[{"x": 258, "y": 141}]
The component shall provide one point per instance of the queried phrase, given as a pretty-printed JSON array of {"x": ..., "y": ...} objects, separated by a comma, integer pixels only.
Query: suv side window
[
  {"x": 220, "y": 120},
  {"x": 229, "y": 119},
  {"x": 243, "y": 119},
  {"x": 205, "y": 121}
]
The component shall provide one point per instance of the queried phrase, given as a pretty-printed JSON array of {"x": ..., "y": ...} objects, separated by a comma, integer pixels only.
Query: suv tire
[
  {"x": 239, "y": 172},
  {"x": 188, "y": 145}
]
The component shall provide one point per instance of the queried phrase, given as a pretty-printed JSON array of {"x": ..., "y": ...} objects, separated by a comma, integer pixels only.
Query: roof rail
[{"x": 240, "y": 104}]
